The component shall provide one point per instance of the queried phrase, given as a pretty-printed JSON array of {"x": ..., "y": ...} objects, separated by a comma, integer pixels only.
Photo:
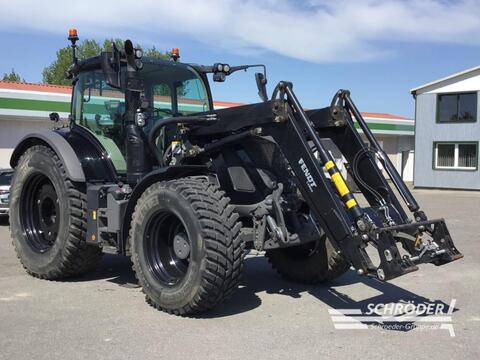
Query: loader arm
[
  {"x": 384, "y": 223},
  {"x": 355, "y": 226}
]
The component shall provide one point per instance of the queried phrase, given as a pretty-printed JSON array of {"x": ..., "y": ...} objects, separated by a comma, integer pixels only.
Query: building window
[
  {"x": 457, "y": 108},
  {"x": 456, "y": 156}
]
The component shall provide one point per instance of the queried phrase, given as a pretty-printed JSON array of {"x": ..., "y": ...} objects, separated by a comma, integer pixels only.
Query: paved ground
[{"x": 102, "y": 317}]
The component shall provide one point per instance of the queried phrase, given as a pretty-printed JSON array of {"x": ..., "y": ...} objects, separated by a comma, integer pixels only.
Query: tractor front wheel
[{"x": 185, "y": 245}]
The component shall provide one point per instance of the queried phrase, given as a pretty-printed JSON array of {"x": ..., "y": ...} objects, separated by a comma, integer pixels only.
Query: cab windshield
[
  {"x": 170, "y": 90},
  {"x": 176, "y": 89}
]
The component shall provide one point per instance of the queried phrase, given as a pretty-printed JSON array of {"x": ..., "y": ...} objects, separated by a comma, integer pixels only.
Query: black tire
[
  {"x": 47, "y": 218},
  {"x": 310, "y": 263},
  {"x": 195, "y": 212}
]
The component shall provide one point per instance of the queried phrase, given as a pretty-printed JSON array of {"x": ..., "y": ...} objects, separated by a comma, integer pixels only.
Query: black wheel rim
[
  {"x": 39, "y": 212},
  {"x": 167, "y": 248}
]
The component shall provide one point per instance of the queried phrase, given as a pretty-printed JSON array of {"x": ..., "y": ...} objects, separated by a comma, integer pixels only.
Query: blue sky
[{"x": 377, "y": 49}]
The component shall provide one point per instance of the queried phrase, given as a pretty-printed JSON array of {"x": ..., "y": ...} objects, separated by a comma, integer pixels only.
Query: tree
[
  {"x": 154, "y": 53},
  {"x": 12, "y": 76},
  {"x": 55, "y": 72},
  {"x": 107, "y": 44}
]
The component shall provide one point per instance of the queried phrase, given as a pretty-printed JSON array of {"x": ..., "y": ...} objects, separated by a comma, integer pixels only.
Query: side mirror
[
  {"x": 54, "y": 117},
  {"x": 261, "y": 86},
  {"x": 111, "y": 67}
]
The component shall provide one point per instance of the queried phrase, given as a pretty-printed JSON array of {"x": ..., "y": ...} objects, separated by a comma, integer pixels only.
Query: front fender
[{"x": 162, "y": 174}]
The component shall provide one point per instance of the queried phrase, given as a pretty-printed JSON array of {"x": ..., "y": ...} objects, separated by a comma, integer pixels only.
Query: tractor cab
[{"x": 120, "y": 95}]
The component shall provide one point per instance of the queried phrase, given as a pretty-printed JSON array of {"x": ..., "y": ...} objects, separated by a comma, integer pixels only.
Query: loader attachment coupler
[{"x": 355, "y": 230}]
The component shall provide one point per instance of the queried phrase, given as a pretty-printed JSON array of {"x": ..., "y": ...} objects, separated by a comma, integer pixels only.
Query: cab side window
[{"x": 101, "y": 109}]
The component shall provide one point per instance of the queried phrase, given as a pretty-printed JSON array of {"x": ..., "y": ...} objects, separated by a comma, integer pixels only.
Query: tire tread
[
  {"x": 77, "y": 256},
  {"x": 223, "y": 244}
]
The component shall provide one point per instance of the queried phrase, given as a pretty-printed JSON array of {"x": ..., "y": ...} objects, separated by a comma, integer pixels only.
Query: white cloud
[{"x": 312, "y": 30}]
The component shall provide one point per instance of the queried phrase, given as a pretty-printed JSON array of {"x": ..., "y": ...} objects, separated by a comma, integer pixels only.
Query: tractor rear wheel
[
  {"x": 310, "y": 263},
  {"x": 48, "y": 218},
  {"x": 185, "y": 244}
]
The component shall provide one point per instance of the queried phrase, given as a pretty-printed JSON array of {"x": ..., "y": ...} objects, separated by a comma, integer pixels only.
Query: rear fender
[
  {"x": 58, "y": 144},
  {"x": 83, "y": 156}
]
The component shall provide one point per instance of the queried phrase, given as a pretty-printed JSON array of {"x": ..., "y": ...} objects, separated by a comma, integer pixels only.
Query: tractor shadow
[
  {"x": 258, "y": 277},
  {"x": 4, "y": 220},
  {"x": 113, "y": 268}
]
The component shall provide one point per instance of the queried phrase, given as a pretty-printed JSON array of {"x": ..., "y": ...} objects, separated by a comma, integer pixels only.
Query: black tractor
[{"x": 146, "y": 167}]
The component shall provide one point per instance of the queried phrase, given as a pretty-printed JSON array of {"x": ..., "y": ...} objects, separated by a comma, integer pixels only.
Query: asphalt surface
[{"x": 104, "y": 316}]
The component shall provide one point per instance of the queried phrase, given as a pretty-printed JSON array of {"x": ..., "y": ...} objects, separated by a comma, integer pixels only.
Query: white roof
[{"x": 464, "y": 72}]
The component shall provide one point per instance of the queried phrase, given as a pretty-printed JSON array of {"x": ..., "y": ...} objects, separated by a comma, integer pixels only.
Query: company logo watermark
[{"x": 402, "y": 316}]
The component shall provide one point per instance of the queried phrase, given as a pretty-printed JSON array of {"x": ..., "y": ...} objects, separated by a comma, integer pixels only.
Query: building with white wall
[
  {"x": 447, "y": 132},
  {"x": 25, "y": 107}
]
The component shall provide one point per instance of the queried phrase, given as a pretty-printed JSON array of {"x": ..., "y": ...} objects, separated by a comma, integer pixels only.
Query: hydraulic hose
[{"x": 190, "y": 120}]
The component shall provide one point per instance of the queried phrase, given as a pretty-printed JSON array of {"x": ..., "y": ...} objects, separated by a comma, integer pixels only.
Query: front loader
[{"x": 146, "y": 167}]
